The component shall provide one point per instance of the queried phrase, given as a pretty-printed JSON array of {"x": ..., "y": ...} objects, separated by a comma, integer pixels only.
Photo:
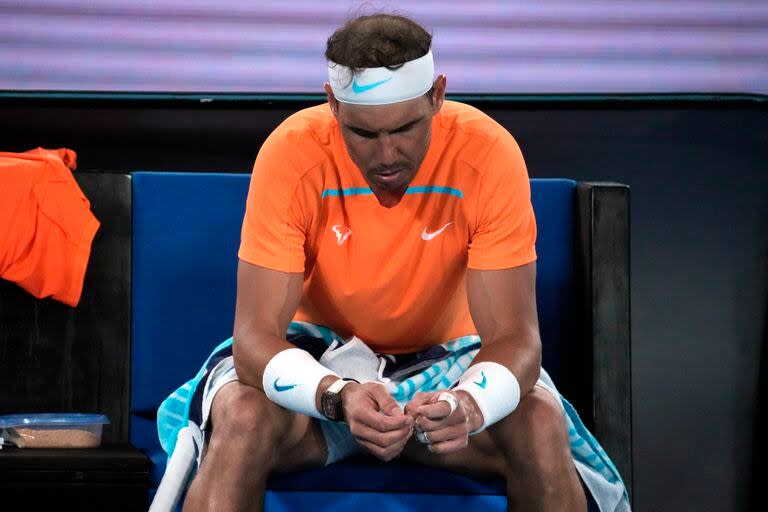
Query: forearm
[
  {"x": 520, "y": 354},
  {"x": 251, "y": 351},
  {"x": 503, "y": 308},
  {"x": 251, "y": 354}
]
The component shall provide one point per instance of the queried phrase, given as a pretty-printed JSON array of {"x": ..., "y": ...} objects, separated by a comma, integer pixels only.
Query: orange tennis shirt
[{"x": 394, "y": 277}]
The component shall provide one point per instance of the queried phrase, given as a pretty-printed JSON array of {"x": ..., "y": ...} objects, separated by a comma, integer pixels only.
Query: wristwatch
[{"x": 330, "y": 400}]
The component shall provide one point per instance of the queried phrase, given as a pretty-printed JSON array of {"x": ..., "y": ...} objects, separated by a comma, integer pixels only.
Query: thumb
[
  {"x": 417, "y": 401},
  {"x": 386, "y": 403}
]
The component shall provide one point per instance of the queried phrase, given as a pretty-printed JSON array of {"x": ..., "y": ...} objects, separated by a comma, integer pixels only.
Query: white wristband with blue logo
[
  {"x": 291, "y": 379},
  {"x": 494, "y": 388}
]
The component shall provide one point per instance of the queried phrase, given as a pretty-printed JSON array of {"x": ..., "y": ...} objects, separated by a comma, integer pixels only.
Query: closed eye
[
  {"x": 363, "y": 133},
  {"x": 405, "y": 127},
  {"x": 367, "y": 134}
]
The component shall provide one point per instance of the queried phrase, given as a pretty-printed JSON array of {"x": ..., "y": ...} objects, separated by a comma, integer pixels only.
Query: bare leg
[
  {"x": 529, "y": 448},
  {"x": 251, "y": 437}
]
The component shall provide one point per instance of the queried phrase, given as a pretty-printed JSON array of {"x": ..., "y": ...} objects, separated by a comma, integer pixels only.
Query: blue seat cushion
[{"x": 365, "y": 474}]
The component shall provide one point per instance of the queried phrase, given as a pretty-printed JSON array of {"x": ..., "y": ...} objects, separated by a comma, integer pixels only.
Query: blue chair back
[{"x": 186, "y": 233}]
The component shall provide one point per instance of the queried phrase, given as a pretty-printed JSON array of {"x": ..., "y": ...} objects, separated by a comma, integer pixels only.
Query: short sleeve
[
  {"x": 273, "y": 232},
  {"x": 504, "y": 234}
]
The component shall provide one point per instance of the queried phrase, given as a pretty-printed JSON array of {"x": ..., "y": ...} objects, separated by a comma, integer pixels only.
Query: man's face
[{"x": 387, "y": 142}]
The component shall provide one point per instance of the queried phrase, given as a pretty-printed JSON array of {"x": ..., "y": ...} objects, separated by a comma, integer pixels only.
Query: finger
[
  {"x": 365, "y": 409},
  {"x": 424, "y": 423},
  {"x": 419, "y": 399},
  {"x": 446, "y": 434},
  {"x": 451, "y": 446},
  {"x": 381, "y": 422},
  {"x": 378, "y": 451},
  {"x": 384, "y": 400},
  {"x": 385, "y": 454},
  {"x": 435, "y": 411},
  {"x": 427, "y": 425},
  {"x": 381, "y": 439},
  {"x": 450, "y": 399}
]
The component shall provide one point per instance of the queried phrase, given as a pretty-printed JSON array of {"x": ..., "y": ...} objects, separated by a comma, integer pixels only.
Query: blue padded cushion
[
  {"x": 186, "y": 233},
  {"x": 554, "y": 203}
]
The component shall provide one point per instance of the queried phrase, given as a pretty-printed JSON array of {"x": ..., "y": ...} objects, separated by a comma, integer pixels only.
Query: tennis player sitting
[{"x": 386, "y": 297}]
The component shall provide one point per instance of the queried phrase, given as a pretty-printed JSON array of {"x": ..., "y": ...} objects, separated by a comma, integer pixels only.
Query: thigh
[{"x": 297, "y": 439}]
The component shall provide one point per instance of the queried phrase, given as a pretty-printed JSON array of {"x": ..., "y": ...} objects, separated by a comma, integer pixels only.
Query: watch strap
[
  {"x": 332, "y": 407},
  {"x": 338, "y": 385}
]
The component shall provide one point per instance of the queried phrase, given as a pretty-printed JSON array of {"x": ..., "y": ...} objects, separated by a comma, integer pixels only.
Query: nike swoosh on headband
[
  {"x": 483, "y": 382},
  {"x": 280, "y": 388},
  {"x": 359, "y": 89}
]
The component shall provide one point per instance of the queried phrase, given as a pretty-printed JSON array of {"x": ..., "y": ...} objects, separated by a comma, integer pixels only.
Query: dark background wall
[
  {"x": 698, "y": 172},
  {"x": 699, "y": 192}
]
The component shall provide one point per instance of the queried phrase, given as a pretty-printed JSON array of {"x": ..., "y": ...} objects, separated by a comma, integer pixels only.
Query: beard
[{"x": 393, "y": 178}]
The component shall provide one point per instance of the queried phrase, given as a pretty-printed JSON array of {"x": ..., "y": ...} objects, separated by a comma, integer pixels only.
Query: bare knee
[
  {"x": 534, "y": 437},
  {"x": 243, "y": 416}
]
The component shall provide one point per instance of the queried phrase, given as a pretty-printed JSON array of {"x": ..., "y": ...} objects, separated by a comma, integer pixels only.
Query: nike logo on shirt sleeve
[{"x": 429, "y": 236}]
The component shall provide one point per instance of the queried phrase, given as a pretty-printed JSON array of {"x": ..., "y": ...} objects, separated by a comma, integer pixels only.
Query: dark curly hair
[{"x": 378, "y": 40}]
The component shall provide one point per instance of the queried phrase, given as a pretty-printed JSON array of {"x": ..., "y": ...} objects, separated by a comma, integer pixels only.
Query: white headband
[{"x": 381, "y": 86}]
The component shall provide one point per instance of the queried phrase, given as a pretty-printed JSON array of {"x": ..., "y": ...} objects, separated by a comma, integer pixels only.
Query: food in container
[{"x": 52, "y": 430}]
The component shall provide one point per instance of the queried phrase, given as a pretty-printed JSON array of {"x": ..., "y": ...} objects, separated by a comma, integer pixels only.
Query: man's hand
[
  {"x": 444, "y": 431},
  {"x": 375, "y": 420}
]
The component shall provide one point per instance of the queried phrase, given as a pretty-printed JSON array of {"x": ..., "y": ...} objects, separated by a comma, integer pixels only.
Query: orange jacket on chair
[{"x": 46, "y": 225}]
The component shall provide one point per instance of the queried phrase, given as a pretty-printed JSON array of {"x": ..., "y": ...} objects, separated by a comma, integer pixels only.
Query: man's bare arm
[
  {"x": 503, "y": 308},
  {"x": 266, "y": 302}
]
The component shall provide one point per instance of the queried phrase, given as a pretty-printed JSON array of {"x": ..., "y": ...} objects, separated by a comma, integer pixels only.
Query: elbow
[
  {"x": 237, "y": 345},
  {"x": 534, "y": 351},
  {"x": 237, "y": 358},
  {"x": 241, "y": 359},
  {"x": 537, "y": 349}
]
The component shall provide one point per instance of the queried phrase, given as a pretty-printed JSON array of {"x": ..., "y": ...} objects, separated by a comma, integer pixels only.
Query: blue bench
[{"x": 185, "y": 236}]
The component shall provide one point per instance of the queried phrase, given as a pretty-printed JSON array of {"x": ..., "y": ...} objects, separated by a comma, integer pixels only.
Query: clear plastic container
[{"x": 65, "y": 430}]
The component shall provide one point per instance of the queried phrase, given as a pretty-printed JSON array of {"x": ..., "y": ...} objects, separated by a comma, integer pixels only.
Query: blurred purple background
[{"x": 522, "y": 46}]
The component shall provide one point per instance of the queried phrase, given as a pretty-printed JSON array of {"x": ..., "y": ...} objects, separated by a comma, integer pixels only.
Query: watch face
[{"x": 331, "y": 403}]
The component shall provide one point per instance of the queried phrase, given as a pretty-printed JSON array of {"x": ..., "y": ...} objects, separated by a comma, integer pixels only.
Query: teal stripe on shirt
[
  {"x": 357, "y": 191},
  {"x": 435, "y": 190},
  {"x": 362, "y": 191}
]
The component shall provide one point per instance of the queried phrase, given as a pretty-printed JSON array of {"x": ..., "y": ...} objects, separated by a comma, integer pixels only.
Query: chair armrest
[{"x": 603, "y": 223}]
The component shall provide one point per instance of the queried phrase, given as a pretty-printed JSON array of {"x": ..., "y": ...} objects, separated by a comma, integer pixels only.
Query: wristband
[
  {"x": 291, "y": 379},
  {"x": 494, "y": 388}
]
